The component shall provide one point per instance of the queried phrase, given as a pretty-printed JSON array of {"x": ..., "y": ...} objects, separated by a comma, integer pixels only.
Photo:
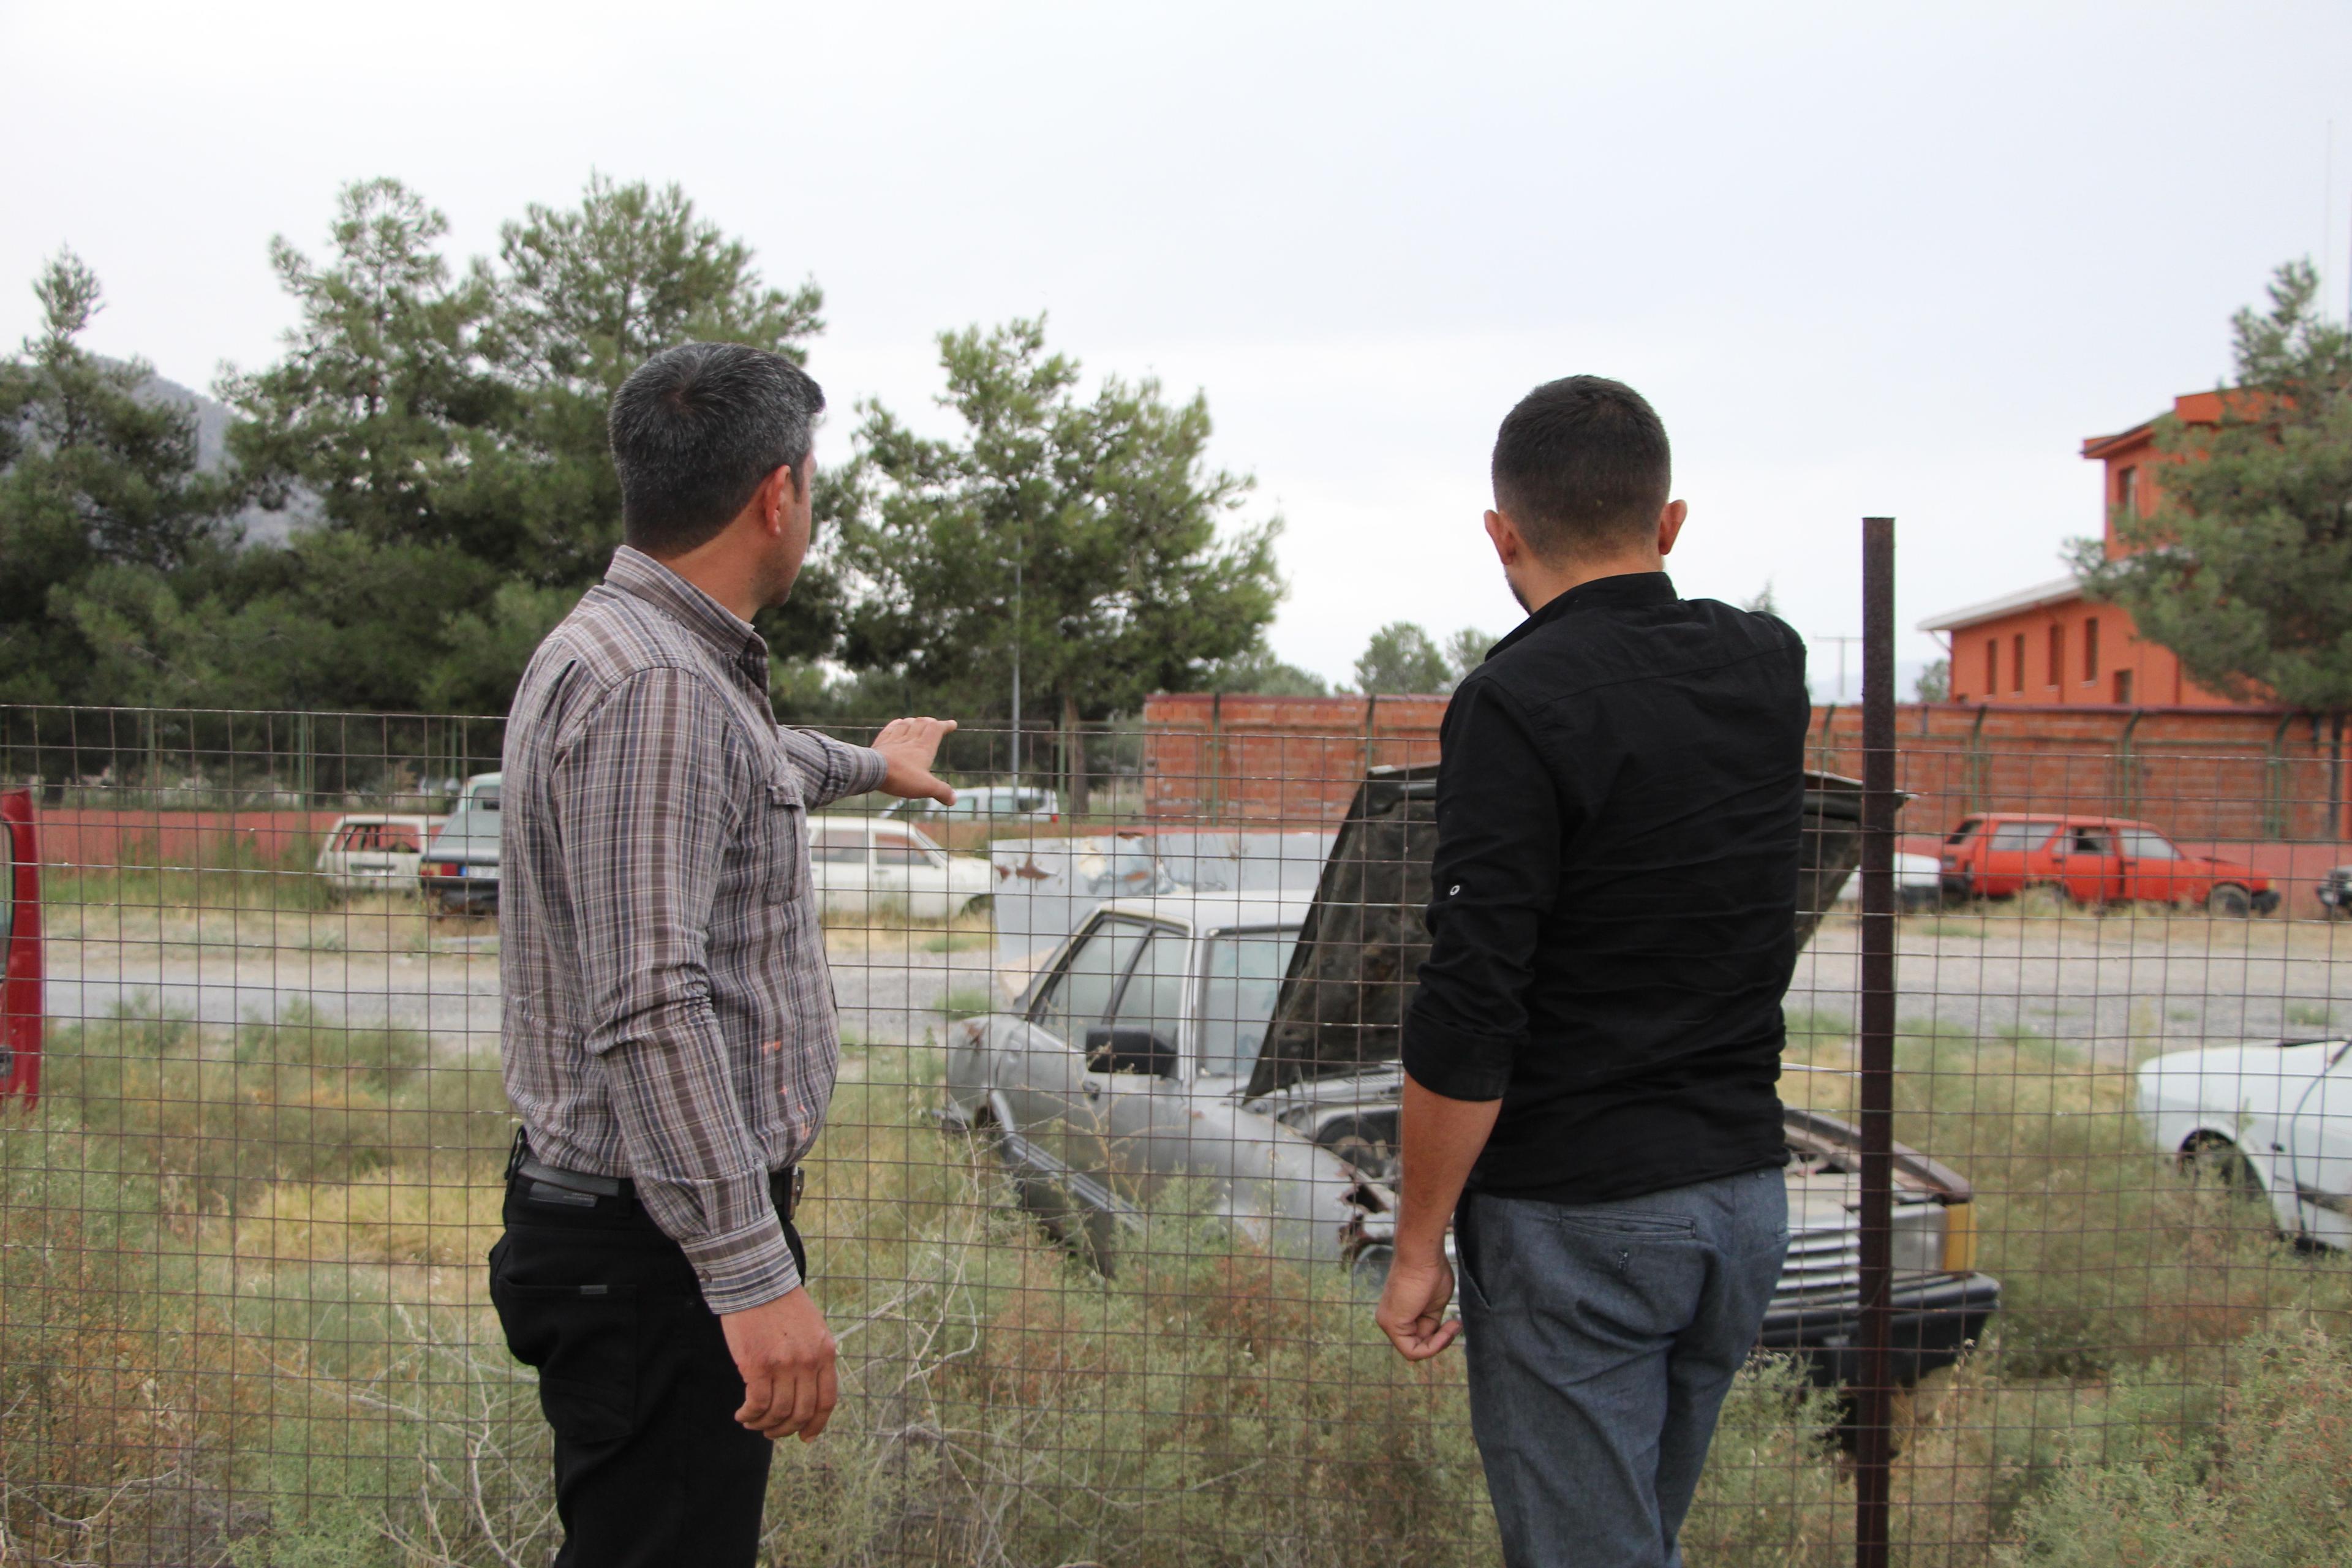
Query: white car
[
  {"x": 2271, "y": 1120},
  {"x": 984, "y": 802},
  {"x": 1918, "y": 884},
  {"x": 375, "y": 853},
  {"x": 866, "y": 863}
]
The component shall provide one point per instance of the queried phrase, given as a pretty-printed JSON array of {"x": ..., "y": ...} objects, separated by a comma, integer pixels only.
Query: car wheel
[
  {"x": 2230, "y": 899},
  {"x": 983, "y": 904},
  {"x": 2216, "y": 1164}
]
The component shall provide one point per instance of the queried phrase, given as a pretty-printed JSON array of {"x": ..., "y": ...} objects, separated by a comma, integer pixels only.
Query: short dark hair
[
  {"x": 696, "y": 428},
  {"x": 1582, "y": 465}
]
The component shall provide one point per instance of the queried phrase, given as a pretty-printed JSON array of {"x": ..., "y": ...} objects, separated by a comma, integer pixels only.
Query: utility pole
[{"x": 1017, "y": 553}]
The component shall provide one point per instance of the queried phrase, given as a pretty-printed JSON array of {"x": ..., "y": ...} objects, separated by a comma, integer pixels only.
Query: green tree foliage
[
  {"x": 1257, "y": 672},
  {"x": 1403, "y": 658},
  {"x": 582, "y": 296},
  {"x": 1082, "y": 532},
  {"x": 1465, "y": 650},
  {"x": 1935, "y": 682},
  {"x": 2244, "y": 570},
  {"x": 101, "y": 506}
]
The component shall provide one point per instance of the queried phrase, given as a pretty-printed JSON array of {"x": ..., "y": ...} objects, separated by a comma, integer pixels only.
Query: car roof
[
  {"x": 2060, "y": 817},
  {"x": 1215, "y": 912},
  {"x": 369, "y": 818}
]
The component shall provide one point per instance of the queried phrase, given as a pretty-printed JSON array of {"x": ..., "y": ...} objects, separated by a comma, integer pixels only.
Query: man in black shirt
[{"x": 1591, "y": 1056}]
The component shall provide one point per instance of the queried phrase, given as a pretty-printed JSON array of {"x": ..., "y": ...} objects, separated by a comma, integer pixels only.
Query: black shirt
[{"x": 1614, "y": 896}]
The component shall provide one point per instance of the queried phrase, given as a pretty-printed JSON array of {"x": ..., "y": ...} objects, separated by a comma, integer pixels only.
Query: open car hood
[{"x": 1352, "y": 976}]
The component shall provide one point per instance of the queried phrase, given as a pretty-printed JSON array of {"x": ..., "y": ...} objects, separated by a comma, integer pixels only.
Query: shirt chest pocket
[{"x": 780, "y": 841}]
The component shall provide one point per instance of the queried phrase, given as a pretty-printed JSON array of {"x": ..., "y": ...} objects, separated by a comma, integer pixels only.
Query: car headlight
[{"x": 1919, "y": 1241}]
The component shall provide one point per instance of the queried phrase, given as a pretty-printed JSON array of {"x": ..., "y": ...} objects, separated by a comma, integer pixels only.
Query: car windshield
[
  {"x": 2143, "y": 843},
  {"x": 1242, "y": 975}
]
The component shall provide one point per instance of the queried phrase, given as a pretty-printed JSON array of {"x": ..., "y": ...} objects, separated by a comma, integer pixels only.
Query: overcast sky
[{"x": 1871, "y": 258}]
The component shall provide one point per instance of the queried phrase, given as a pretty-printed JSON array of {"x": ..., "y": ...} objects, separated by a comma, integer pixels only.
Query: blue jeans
[{"x": 1601, "y": 1339}]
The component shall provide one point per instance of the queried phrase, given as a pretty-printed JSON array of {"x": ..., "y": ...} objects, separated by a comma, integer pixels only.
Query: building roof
[{"x": 2057, "y": 593}]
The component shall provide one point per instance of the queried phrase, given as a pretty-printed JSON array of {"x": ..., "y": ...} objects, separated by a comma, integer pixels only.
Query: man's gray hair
[{"x": 696, "y": 428}]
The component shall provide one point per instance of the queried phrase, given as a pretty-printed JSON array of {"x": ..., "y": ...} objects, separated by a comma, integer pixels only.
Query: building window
[
  {"x": 2057, "y": 653},
  {"x": 2127, "y": 491},
  {"x": 2017, "y": 664},
  {"x": 1992, "y": 665},
  {"x": 2090, "y": 650},
  {"x": 2122, "y": 688}
]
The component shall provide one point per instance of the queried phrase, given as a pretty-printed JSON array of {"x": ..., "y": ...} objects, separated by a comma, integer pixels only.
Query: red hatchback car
[{"x": 2093, "y": 860}]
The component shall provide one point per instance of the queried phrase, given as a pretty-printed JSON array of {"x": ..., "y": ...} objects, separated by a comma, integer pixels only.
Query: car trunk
[{"x": 1351, "y": 975}]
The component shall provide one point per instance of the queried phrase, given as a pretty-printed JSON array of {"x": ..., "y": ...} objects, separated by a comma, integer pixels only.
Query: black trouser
[{"x": 634, "y": 1374}]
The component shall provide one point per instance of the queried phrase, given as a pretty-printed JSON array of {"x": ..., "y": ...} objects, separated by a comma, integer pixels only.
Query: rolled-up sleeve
[
  {"x": 1494, "y": 877},
  {"x": 831, "y": 769},
  {"x": 640, "y": 807}
]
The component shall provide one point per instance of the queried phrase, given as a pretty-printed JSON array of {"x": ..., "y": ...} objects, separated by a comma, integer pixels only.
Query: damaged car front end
[{"x": 1245, "y": 1048}]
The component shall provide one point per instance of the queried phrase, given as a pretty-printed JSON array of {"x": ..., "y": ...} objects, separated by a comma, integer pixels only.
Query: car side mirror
[{"x": 1125, "y": 1047}]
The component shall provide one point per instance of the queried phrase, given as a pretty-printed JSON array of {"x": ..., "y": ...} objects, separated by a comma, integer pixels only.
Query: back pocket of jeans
[
  {"x": 583, "y": 1342},
  {"x": 1614, "y": 1222}
]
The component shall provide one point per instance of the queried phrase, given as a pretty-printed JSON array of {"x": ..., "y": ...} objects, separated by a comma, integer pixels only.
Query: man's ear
[
  {"x": 1670, "y": 523},
  {"x": 1504, "y": 535},
  {"x": 779, "y": 487}
]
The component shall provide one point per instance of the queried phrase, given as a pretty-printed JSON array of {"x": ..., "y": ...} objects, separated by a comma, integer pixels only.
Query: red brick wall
[
  {"x": 2225, "y": 774},
  {"x": 74, "y": 836},
  {"x": 1291, "y": 760}
]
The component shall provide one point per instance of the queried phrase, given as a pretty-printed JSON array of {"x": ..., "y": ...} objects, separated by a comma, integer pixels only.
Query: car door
[
  {"x": 923, "y": 867},
  {"x": 1047, "y": 1087},
  {"x": 1142, "y": 1137},
  {"x": 2090, "y": 867},
  {"x": 2152, "y": 867},
  {"x": 2001, "y": 867},
  {"x": 841, "y": 867},
  {"x": 2319, "y": 1151},
  {"x": 898, "y": 859}
]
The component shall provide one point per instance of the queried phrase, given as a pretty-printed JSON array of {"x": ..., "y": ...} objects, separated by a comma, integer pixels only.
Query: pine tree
[{"x": 101, "y": 508}]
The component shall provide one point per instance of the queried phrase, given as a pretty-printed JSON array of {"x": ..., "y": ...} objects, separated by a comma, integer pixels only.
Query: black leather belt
[{"x": 585, "y": 1189}]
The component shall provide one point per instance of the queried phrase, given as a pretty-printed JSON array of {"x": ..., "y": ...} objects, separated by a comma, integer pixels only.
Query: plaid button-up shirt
[{"x": 669, "y": 1015}]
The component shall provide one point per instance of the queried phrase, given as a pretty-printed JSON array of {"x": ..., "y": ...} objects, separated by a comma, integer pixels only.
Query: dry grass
[{"x": 244, "y": 1298}]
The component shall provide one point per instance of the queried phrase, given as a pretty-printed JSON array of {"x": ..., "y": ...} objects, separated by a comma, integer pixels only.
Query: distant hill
[{"x": 213, "y": 420}]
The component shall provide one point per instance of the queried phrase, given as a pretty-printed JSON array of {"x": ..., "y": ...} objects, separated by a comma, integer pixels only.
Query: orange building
[{"x": 2049, "y": 644}]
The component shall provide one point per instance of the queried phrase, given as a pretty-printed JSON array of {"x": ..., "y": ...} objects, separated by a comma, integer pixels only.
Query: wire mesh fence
[{"x": 1105, "y": 1186}]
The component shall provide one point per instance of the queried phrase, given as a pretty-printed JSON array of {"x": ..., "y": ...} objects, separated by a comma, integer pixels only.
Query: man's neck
[
  {"x": 1541, "y": 582},
  {"x": 720, "y": 577}
]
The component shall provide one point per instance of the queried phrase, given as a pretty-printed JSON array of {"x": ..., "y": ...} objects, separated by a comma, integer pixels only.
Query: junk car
[
  {"x": 862, "y": 864},
  {"x": 1245, "y": 1046},
  {"x": 2335, "y": 894},
  {"x": 2271, "y": 1120},
  {"x": 2093, "y": 860},
  {"x": 460, "y": 871},
  {"x": 374, "y": 852}
]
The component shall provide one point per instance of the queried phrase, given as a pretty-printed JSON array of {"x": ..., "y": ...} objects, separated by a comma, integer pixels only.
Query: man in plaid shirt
[{"x": 669, "y": 1036}]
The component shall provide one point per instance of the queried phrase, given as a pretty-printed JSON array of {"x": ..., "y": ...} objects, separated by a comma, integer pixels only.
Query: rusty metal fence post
[{"x": 1875, "y": 1396}]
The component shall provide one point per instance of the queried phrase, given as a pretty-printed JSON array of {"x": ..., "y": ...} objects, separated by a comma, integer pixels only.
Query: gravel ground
[
  {"x": 2120, "y": 987},
  {"x": 890, "y": 990}
]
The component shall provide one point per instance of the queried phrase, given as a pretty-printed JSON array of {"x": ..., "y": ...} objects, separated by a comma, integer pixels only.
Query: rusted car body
[{"x": 1246, "y": 1046}]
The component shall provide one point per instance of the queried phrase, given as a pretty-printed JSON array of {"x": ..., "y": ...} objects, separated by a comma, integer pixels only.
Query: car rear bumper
[
  {"x": 1935, "y": 1320},
  {"x": 477, "y": 890}
]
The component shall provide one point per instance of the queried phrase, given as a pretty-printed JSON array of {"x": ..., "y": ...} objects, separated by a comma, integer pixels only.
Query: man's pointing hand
[{"x": 908, "y": 745}]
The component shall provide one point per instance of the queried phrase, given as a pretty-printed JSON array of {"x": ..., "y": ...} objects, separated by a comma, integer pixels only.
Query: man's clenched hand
[
  {"x": 908, "y": 745},
  {"x": 786, "y": 1354},
  {"x": 1412, "y": 1307}
]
